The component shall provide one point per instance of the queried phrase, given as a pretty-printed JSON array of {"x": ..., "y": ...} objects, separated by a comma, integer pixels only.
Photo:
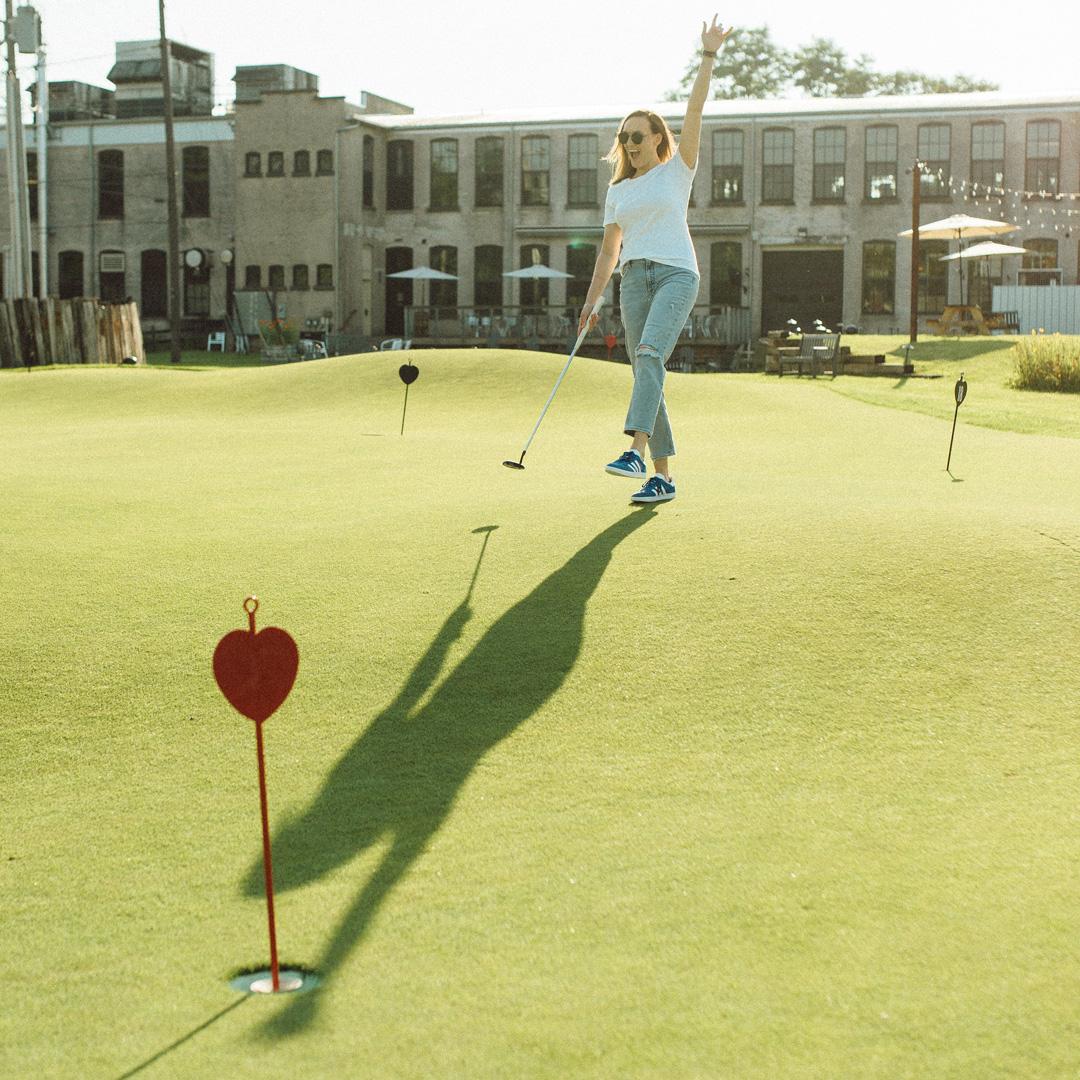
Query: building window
[
  {"x": 933, "y": 277},
  {"x": 111, "y": 184},
  {"x": 112, "y": 278},
  {"x": 830, "y": 151},
  {"x": 299, "y": 277},
  {"x": 1042, "y": 170},
  {"x": 1040, "y": 265},
  {"x": 253, "y": 163},
  {"x": 536, "y": 171},
  {"x": 881, "y": 168},
  {"x": 988, "y": 157},
  {"x": 580, "y": 260},
  {"x": 324, "y": 276},
  {"x": 399, "y": 175},
  {"x": 275, "y": 278},
  {"x": 154, "y": 279},
  {"x": 489, "y": 171},
  {"x": 725, "y": 274},
  {"x": 324, "y": 163},
  {"x": 71, "y": 274},
  {"x": 935, "y": 154},
  {"x": 368, "y": 190},
  {"x": 879, "y": 277},
  {"x": 252, "y": 277},
  {"x": 534, "y": 293},
  {"x": 582, "y": 177},
  {"x": 197, "y": 291},
  {"x": 444, "y": 174},
  {"x": 32, "y": 182},
  {"x": 444, "y": 293},
  {"x": 275, "y": 163},
  {"x": 195, "y": 183},
  {"x": 778, "y": 166},
  {"x": 487, "y": 276},
  {"x": 301, "y": 163},
  {"x": 727, "y": 172}
]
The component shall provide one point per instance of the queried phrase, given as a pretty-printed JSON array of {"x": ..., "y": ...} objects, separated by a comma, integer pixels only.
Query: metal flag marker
[
  {"x": 959, "y": 392},
  {"x": 255, "y": 672},
  {"x": 408, "y": 373},
  {"x": 520, "y": 463}
]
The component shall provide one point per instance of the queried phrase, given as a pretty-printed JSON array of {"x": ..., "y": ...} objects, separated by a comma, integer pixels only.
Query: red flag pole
[{"x": 267, "y": 868}]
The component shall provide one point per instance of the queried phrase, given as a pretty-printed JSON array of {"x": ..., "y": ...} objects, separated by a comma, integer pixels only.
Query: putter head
[{"x": 514, "y": 464}]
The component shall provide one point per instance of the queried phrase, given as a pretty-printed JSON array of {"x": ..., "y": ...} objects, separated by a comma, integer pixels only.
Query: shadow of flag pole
[{"x": 255, "y": 672}]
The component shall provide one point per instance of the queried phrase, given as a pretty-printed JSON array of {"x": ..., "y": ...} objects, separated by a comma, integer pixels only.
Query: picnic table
[{"x": 959, "y": 319}]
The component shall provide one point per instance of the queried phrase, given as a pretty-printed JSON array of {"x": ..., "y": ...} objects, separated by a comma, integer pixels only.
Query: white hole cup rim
[{"x": 262, "y": 982}]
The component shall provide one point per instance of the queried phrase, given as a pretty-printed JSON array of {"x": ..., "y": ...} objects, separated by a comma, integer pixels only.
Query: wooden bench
[
  {"x": 1009, "y": 321},
  {"x": 814, "y": 350}
]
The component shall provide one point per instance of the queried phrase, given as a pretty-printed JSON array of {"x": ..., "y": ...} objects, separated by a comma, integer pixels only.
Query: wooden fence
[{"x": 51, "y": 331}]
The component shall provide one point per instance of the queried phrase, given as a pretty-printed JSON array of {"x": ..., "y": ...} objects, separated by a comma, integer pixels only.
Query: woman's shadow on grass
[{"x": 402, "y": 775}]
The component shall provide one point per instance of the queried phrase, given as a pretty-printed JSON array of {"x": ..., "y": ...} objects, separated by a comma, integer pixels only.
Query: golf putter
[{"x": 519, "y": 464}]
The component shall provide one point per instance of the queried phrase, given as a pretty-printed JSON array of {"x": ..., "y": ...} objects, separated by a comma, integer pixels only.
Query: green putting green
[{"x": 778, "y": 779}]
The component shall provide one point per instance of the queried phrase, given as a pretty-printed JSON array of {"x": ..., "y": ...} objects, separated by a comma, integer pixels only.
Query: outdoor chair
[
  {"x": 216, "y": 340},
  {"x": 396, "y": 343},
  {"x": 815, "y": 350}
]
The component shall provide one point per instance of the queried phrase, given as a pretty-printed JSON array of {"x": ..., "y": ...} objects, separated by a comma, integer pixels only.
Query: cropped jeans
[{"x": 656, "y": 300}]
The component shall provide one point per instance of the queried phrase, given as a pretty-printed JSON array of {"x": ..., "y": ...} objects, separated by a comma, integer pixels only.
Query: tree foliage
[{"x": 752, "y": 65}]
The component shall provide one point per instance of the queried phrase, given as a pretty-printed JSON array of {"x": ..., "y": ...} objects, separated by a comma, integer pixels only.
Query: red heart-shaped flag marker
[{"x": 256, "y": 671}]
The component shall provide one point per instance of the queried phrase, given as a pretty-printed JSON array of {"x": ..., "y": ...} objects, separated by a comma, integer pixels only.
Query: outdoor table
[{"x": 961, "y": 319}]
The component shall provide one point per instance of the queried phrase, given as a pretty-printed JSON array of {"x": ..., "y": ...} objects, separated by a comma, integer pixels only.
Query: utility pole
[
  {"x": 170, "y": 175},
  {"x": 18, "y": 196},
  {"x": 916, "y": 194},
  {"x": 43, "y": 171}
]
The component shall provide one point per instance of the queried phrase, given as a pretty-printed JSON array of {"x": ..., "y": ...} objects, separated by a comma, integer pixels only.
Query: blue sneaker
[
  {"x": 656, "y": 489},
  {"x": 630, "y": 464}
]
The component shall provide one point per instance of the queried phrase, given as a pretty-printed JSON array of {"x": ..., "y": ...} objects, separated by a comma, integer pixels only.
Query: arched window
[
  {"x": 154, "y": 288},
  {"x": 71, "y": 274}
]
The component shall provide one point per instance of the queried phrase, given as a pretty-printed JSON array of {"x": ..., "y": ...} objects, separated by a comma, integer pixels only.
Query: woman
[{"x": 645, "y": 227}]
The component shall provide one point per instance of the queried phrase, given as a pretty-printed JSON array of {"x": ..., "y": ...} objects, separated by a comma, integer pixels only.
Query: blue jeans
[{"x": 656, "y": 301}]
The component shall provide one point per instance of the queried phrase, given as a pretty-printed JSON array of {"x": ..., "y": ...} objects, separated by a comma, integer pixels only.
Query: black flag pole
[
  {"x": 959, "y": 392},
  {"x": 408, "y": 373}
]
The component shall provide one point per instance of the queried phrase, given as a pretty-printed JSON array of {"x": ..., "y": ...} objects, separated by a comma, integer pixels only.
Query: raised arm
[{"x": 712, "y": 40}]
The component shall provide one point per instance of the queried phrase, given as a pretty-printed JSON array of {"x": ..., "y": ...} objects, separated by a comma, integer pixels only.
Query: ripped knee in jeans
[{"x": 647, "y": 352}]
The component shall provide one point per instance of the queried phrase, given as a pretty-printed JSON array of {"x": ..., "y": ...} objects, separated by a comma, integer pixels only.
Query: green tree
[
  {"x": 820, "y": 68},
  {"x": 751, "y": 65}
]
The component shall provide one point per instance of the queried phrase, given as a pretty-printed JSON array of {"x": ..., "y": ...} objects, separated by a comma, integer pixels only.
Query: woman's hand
[
  {"x": 587, "y": 315},
  {"x": 713, "y": 37}
]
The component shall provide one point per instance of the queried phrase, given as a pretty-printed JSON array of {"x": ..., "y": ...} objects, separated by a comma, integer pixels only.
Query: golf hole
[{"x": 260, "y": 981}]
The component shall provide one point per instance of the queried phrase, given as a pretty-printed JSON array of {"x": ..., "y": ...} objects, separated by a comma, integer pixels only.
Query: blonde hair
[{"x": 621, "y": 168}]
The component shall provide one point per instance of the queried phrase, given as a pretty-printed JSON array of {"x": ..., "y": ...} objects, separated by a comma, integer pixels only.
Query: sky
[{"x": 476, "y": 55}]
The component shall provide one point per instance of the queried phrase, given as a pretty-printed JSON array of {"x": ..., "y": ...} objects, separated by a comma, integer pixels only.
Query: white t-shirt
[{"x": 651, "y": 211}]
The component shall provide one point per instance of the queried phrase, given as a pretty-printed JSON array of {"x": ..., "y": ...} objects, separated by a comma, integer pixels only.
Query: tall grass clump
[{"x": 1047, "y": 362}]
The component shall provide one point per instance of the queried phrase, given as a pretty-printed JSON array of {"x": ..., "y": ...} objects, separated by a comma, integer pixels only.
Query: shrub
[{"x": 1047, "y": 362}]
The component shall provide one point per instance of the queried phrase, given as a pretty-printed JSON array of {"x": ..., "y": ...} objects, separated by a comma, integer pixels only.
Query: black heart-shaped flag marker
[{"x": 409, "y": 373}]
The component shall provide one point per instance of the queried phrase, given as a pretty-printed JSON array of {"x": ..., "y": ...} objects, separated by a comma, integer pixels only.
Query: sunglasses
[{"x": 631, "y": 136}]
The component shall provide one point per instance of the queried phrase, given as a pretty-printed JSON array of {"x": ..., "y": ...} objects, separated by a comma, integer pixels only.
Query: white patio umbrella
[
  {"x": 536, "y": 272},
  {"x": 985, "y": 250},
  {"x": 988, "y": 249},
  {"x": 960, "y": 227},
  {"x": 424, "y": 273}
]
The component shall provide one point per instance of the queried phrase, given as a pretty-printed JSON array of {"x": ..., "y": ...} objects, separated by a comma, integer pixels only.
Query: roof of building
[{"x": 743, "y": 109}]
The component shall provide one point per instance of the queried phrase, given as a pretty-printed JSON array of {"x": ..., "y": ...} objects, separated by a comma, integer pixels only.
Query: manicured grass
[
  {"x": 777, "y": 780},
  {"x": 987, "y": 365}
]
